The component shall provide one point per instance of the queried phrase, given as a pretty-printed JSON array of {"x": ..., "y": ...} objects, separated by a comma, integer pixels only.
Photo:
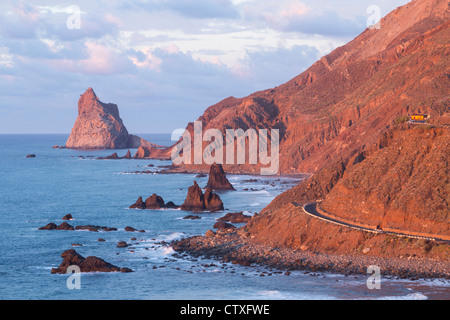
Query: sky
[{"x": 163, "y": 62}]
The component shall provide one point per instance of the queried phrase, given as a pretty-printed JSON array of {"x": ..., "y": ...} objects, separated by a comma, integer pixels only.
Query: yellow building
[{"x": 419, "y": 117}]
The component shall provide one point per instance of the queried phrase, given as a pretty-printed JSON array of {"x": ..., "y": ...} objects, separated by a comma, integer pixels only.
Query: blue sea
[{"x": 37, "y": 191}]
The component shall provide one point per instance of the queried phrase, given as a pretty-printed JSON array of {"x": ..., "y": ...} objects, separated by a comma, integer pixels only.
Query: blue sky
[{"x": 163, "y": 62}]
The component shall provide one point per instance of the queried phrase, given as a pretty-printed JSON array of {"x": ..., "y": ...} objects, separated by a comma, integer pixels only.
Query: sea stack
[
  {"x": 197, "y": 201},
  {"x": 217, "y": 178},
  {"x": 99, "y": 126}
]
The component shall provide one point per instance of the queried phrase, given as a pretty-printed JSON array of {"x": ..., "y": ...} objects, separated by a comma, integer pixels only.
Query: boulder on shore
[
  {"x": 89, "y": 264},
  {"x": 221, "y": 225},
  {"x": 235, "y": 217},
  {"x": 217, "y": 179}
]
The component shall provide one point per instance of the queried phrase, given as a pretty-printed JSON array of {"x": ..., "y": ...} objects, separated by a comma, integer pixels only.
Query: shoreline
[{"x": 235, "y": 246}]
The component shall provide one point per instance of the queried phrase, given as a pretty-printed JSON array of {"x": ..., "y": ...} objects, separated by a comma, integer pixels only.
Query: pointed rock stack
[
  {"x": 217, "y": 178},
  {"x": 197, "y": 201}
]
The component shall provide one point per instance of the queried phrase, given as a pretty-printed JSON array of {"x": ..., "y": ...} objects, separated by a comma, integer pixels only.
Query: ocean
[{"x": 37, "y": 191}]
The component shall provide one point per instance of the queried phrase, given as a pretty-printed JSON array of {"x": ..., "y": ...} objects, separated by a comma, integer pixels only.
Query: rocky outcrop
[
  {"x": 153, "y": 202},
  {"x": 139, "y": 204},
  {"x": 95, "y": 228},
  {"x": 221, "y": 225},
  {"x": 197, "y": 201},
  {"x": 67, "y": 217},
  {"x": 50, "y": 226},
  {"x": 89, "y": 264},
  {"x": 235, "y": 217},
  {"x": 212, "y": 201},
  {"x": 99, "y": 126},
  {"x": 218, "y": 179}
]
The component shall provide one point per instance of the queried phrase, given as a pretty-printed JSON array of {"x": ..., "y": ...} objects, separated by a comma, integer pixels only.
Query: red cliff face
[
  {"x": 99, "y": 126},
  {"x": 348, "y": 97}
]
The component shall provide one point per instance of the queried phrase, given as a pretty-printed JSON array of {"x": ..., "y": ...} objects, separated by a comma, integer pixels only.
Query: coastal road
[{"x": 311, "y": 210}]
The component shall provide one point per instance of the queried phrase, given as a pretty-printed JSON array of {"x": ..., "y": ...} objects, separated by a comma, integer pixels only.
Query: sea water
[{"x": 37, "y": 191}]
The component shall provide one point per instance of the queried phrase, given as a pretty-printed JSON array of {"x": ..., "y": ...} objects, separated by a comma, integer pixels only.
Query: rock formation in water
[
  {"x": 197, "y": 201},
  {"x": 89, "y": 264},
  {"x": 99, "y": 126},
  {"x": 218, "y": 179}
]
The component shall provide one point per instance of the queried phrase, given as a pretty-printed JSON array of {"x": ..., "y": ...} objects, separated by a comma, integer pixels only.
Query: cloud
[
  {"x": 23, "y": 20},
  {"x": 296, "y": 16},
  {"x": 199, "y": 9},
  {"x": 20, "y": 21},
  {"x": 268, "y": 68}
]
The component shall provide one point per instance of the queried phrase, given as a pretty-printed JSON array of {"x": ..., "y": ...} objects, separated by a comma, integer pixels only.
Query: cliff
[
  {"x": 99, "y": 126},
  {"x": 401, "y": 182}
]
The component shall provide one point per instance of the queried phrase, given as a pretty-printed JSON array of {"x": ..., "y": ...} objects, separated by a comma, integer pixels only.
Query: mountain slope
[{"x": 348, "y": 97}]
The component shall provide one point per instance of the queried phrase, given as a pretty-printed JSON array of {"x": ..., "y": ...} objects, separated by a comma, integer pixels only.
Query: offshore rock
[
  {"x": 217, "y": 178},
  {"x": 197, "y": 201},
  {"x": 89, "y": 264},
  {"x": 99, "y": 126}
]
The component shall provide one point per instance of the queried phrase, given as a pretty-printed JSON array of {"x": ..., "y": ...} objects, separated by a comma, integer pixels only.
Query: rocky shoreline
[{"x": 235, "y": 246}]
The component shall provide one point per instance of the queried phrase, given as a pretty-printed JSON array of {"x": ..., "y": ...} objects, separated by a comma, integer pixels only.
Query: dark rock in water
[
  {"x": 95, "y": 228},
  {"x": 122, "y": 244},
  {"x": 67, "y": 217},
  {"x": 30, "y": 156},
  {"x": 217, "y": 178},
  {"x": 235, "y": 217},
  {"x": 223, "y": 225},
  {"x": 65, "y": 226},
  {"x": 154, "y": 202},
  {"x": 201, "y": 175},
  {"x": 128, "y": 155},
  {"x": 139, "y": 204},
  {"x": 197, "y": 201},
  {"x": 194, "y": 200},
  {"x": 191, "y": 217},
  {"x": 171, "y": 205},
  {"x": 212, "y": 201},
  {"x": 50, "y": 226},
  {"x": 114, "y": 156},
  {"x": 130, "y": 229},
  {"x": 89, "y": 264}
]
